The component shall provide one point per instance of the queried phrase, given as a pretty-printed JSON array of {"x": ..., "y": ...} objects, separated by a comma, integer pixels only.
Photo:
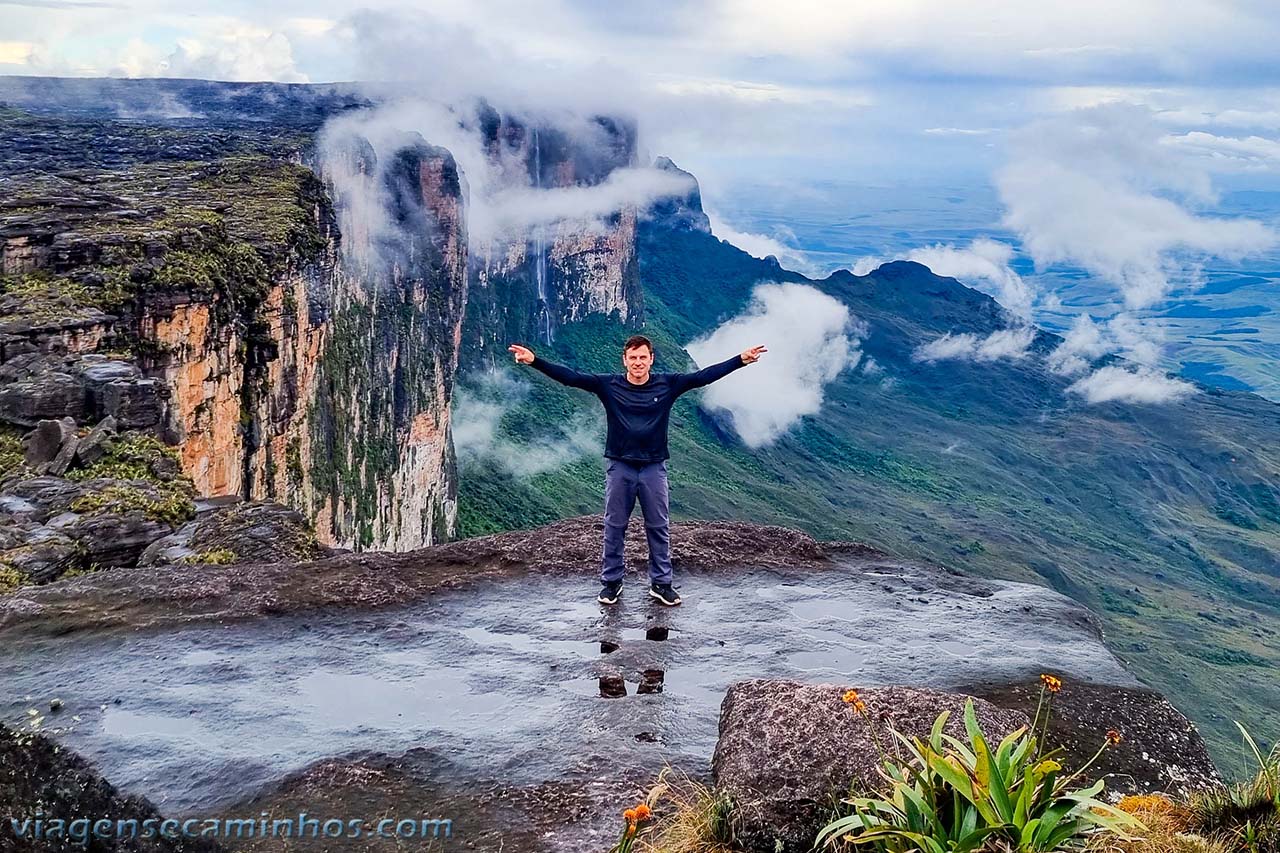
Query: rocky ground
[
  {"x": 160, "y": 597},
  {"x": 478, "y": 681},
  {"x": 38, "y": 776},
  {"x": 103, "y": 228},
  {"x": 75, "y": 500}
]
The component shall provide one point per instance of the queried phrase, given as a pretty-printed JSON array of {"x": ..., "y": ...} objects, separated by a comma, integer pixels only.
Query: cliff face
[
  {"x": 189, "y": 318},
  {"x": 533, "y": 279},
  {"x": 235, "y": 406},
  {"x": 294, "y": 331},
  {"x": 379, "y": 459}
]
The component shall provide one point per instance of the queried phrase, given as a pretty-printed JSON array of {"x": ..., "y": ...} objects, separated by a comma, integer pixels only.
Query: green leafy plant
[
  {"x": 946, "y": 795},
  {"x": 10, "y": 578}
]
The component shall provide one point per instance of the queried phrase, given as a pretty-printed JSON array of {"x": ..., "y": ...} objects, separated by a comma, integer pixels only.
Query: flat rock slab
[
  {"x": 521, "y": 679},
  {"x": 220, "y": 689},
  {"x": 554, "y": 816},
  {"x": 158, "y": 596},
  {"x": 789, "y": 751}
]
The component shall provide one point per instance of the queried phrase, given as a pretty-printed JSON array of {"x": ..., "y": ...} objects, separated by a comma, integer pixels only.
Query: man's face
[{"x": 637, "y": 361}]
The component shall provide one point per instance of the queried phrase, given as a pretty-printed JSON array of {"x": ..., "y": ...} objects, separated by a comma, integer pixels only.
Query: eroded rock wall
[
  {"x": 533, "y": 279},
  {"x": 295, "y": 331},
  {"x": 379, "y": 464}
]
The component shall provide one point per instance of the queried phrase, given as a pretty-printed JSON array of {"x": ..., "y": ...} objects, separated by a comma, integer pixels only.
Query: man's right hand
[{"x": 524, "y": 355}]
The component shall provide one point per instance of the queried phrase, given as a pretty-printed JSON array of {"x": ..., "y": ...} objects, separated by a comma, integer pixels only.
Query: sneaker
[
  {"x": 609, "y": 592},
  {"x": 664, "y": 593}
]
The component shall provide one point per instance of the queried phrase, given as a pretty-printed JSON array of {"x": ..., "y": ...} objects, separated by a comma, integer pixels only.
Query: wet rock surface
[
  {"x": 789, "y": 751},
  {"x": 1161, "y": 750},
  {"x": 492, "y": 656},
  {"x": 484, "y": 814},
  {"x": 152, "y": 597}
]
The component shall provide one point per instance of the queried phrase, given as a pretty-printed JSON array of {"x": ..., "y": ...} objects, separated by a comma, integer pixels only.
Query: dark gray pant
[{"x": 623, "y": 483}]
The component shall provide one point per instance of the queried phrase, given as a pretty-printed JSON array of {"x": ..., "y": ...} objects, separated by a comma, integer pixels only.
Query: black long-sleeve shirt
[{"x": 637, "y": 415}]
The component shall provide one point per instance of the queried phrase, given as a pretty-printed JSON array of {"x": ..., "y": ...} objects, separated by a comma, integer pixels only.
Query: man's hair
[{"x": 638, "y": 341}]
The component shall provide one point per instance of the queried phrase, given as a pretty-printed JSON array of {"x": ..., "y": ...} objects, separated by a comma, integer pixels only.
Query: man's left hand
[{"x": 753, "y": 354}]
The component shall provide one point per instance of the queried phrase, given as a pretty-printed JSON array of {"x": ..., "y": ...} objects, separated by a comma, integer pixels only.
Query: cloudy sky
[
  {"x": 1112, "y": 139},
  {"x": 732, "y": 89}
]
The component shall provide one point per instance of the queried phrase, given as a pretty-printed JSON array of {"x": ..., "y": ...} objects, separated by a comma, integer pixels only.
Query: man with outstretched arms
[{"x": 637, "y": 407}]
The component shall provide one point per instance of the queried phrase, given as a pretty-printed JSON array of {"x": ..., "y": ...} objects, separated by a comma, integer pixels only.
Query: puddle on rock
[{"x": 524, "y": 680}]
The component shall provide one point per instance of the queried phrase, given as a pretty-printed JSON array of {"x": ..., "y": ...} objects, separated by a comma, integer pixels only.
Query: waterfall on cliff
[{"x": 545, "y": 331}]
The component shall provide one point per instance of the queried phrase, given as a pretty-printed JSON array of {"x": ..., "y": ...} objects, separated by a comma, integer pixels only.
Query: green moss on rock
[
  {"x": 132, "y": 456},
  {"x": 11, "y": 578},
  {"x": 170, "y": 503},
  {"x": 12, "y": 453}
]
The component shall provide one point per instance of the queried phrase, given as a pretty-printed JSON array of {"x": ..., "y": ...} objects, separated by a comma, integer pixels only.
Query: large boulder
[
  {"x": 38, "y": 553},
  {"x": 47, "y": 395},
  {"x": 240, "y": 533},
  {"x": 788, "y": 751},
  {"x": 97, "y": 443},
  {"x": 43, "y": 444},
  {"x": 52, "y": 525},
  {"x": 1160, "y": 751},
  {"x": 86, "y": 388}
]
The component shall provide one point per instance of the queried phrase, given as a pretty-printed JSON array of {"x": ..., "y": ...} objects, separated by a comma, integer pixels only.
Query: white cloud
[
  {"x": 512, "y": 209},
  {"x": 761, "y": 245},
  {"x": 811, "y": 338},
  {"x": 983, "y": 265},
  {"x": 1090, "y": 189},
  {"x": 961, "y": 131},
  {"x": 1119, "y": 384},
  {"x": 867, "y": 264},
  {"x": 1009, "y": 343},
  {"x": 984, "y": 261},
  {"x": 501, "y": 202},
  {"x": 1082, "y": 343},
  {"x": 479, "y": 404},
  {"x": 1226, "y": 153},
  {"x": 218, "y": 49},
  {"x": 1083, "y": 40},
  {"x": 1136, "y": 338},
  {"x": 766, "y": 93},
  {"x": 16, "y": 52},
  {"x": 311, "y": 27}
]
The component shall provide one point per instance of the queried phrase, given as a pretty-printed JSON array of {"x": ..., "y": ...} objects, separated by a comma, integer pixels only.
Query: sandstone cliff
[
  {"x": 529, "y": 281},
  {"x": 293, "y": 329}
]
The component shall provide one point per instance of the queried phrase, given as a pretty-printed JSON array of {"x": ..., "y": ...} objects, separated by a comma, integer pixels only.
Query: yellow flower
[
  {"x": 642, "y": 811},
  {"x": 630, "y": 815},
  {"x": 860, "y": 706},
  {"x": 1051, "y": 682},
  {"x": 1113, "y": 737},
  {"x": 850, "y": 697}
]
